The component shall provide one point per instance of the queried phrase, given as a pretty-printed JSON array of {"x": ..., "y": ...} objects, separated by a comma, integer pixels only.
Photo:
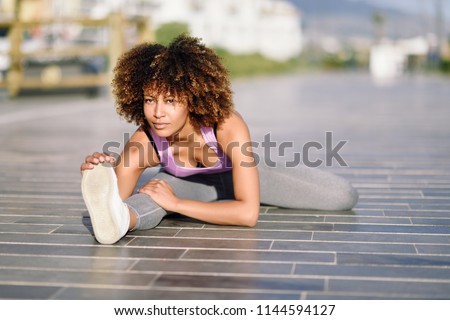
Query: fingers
[
  {"x": 156, "y": 185},
  {"x": 94, "y": 159},
  {"x": 97, "y": 158}
]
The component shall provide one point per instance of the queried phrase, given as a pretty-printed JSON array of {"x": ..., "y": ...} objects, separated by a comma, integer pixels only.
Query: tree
[{"x": 168, "y": 31}]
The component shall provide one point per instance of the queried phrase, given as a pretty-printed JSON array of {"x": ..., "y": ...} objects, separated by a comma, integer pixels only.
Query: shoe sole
[{"x": 97, "y": 187}]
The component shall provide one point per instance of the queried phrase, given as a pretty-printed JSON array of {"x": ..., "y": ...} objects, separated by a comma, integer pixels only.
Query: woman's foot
[{"x": 110, "y": 217}]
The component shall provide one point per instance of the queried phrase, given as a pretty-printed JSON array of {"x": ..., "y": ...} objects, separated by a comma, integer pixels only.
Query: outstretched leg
[
  {"x": 305, "y": 188},
  {"x": 203, "y": 187}
]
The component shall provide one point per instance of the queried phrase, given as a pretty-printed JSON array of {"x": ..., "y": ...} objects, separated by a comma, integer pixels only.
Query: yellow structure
[{"x": 31, "y": 16}]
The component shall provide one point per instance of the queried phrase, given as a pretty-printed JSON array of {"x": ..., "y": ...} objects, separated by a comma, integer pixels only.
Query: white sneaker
[{"x": 109, "y": 215}]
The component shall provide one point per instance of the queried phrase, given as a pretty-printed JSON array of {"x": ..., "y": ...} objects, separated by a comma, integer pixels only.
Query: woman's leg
[
  {"x": 305, "y": 188},
  {"x": 205, "y": 187}
]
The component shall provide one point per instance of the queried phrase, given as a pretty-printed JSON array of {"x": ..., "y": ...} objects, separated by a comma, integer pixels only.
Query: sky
[{"x": 415, "y": 6}]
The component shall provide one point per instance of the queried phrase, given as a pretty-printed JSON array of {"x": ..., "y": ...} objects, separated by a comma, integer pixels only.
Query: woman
[{"x": 180, "y": 97}]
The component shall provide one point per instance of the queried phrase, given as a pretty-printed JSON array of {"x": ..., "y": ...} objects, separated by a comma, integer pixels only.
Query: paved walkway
[{"x": 394, "y": 245}]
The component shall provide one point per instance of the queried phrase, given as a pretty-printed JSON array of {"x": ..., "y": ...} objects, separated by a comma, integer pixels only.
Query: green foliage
[
  {"x": 338, "y": 61},
  {"x": 167, "y": 32},
  {"x": 445, "y": 66},
  {"x": 244, "y": 65},
  {"x": 239, "y": 65}
]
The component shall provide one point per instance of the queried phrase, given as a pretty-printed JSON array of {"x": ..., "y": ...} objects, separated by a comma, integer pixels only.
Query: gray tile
[
  {"x": 200, "y": 243},
  {"x": 249, "y": 233},
  {"x": 388, "y": 193},
  {"x": 34, "y": 205},
  {"x": 286, "y": 256},
  {"x": 408, "y": 288},
  {"x": 433, "y": 249},
  {"x": 290, "y": 217},
  {"x": 393, "y": 229},
  {"x": 115, "y": 251},
  {"x": 62, "y": 263},
  {"x": 432, "y": 222},
  {"x": 367, "y": 271},
  {"x": 366, "y": 296},
  {"x": 109, "y": 278},
  {"x": 159, "y": 294},
  {"x": 74, "y": 229},
  {"x": 380, "y": 237},
  {"x": 59, "y": 220},
  {"x": 430, "y": 207},
  {"x": 8, "y": 219},
  {"x": 26, "y": 228},
  {"x": 175, "y": 222},
  {"x": 436, "y": 193},
  {"x": 420, "y": 201},
  {"x": 298, "y": 226},
  {"x": 392, "y": 259},
  {"x": 382, "y": 206},
  {"x": 47, "y": 238},
  {"x": 51, "y": 212},
  {"x": 362, "y": 213},
  {"x": 418, "y": 213},
  {"x": 22, "y": 292},
  {"x": 368, "y": 220},
  {"x": 239, "y": 282},
  {"x": 342, "y": 246},
  {"x": 42, "y": 201},
  {"x": 216, "y": 267},
  {"x": 157, "y": 232},
  {"x": 87, "y": 229},
  {"x": 305, "y": 212}
]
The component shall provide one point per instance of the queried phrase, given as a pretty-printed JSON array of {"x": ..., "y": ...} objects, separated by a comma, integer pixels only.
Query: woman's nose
[{"x": 158, "y": 112}]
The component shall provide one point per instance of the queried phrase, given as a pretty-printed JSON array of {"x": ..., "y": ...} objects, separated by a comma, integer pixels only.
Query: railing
[{"x": 52, "y": 77}]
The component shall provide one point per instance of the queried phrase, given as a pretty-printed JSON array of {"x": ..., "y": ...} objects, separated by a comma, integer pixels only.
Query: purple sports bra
[{"x": 161, "y": 145}]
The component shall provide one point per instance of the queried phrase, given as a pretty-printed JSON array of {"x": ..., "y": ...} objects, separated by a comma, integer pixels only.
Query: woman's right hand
[{"x": 92, "y": 160}]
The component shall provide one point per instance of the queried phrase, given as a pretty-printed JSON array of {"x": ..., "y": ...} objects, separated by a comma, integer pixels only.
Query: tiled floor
[{"x": 394, "y": 245}]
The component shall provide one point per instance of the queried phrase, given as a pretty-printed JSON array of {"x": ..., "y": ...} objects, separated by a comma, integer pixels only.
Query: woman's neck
[{"x": 184, "y": 134}]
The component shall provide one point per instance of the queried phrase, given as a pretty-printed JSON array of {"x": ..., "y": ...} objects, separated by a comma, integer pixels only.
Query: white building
[
  {"x": 269, "y": 27},
  {"x": 388, "y": 59}
]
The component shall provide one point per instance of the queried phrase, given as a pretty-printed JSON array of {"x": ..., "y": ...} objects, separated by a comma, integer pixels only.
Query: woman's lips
[{"x": 160, "y": 126}]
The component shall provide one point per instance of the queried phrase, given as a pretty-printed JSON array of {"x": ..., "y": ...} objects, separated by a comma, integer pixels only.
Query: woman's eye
[
  {"x": 148, "y": 100},
  {"x": 171, "y": 101}
]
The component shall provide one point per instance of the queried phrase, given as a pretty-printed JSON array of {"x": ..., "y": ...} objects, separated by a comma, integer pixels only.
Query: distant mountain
[{"x": 348, "y": 19}]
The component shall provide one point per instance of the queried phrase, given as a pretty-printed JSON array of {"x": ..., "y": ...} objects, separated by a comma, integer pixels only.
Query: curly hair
[{"x": 186, "y": 69}]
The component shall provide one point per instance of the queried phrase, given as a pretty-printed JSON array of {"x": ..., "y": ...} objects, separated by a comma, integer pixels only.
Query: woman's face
[{"x": 165, "y": 114}]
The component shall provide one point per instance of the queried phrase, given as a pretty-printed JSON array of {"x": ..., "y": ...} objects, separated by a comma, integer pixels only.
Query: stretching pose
[{"x": 198, "y": 149}]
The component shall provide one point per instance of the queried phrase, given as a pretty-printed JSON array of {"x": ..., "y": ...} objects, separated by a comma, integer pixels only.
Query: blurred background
[{"x": 56, "y": 44}]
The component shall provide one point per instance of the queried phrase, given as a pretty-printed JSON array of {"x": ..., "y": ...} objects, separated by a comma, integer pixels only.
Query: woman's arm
[
  {"x": 234, "y": 137},
  {"x": 137, "y": 155}
]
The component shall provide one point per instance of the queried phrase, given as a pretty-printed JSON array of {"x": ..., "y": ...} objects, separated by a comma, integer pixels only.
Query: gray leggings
[{"x": 296, "y": 188}]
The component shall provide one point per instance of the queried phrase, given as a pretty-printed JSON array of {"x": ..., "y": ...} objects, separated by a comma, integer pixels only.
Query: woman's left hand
[{"x": 162, "y": 193}]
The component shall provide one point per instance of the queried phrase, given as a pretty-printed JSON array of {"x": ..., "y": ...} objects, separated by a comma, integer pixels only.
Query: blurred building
[
  {"x": 390, "y": 59},
  {"x": 269, "y": 27}
]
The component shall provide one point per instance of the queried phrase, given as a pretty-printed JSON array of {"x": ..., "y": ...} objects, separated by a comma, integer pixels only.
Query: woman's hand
[
  {"x": 162, "y": 193},
  {"x": 92, "y": 160}
]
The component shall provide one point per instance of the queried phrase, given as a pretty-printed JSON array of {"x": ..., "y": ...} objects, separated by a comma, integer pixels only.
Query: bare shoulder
[
  {"x": 139, "y": 149},
  {"x": 234, "y": 119},
  {"x": 232, "y": 128},
  {"x": 139, "y": 136}
]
